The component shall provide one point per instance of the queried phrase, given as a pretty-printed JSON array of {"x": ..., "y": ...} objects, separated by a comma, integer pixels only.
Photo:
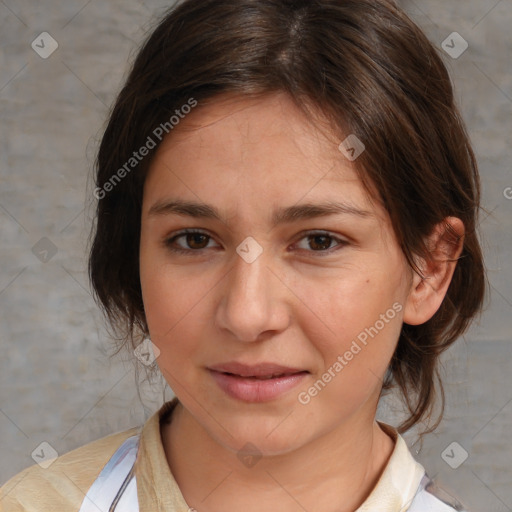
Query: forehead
[{"x": 246, "y": 148}]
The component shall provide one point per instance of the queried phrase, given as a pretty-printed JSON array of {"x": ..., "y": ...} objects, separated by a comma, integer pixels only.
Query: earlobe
[{"x": 427, "y": 291}]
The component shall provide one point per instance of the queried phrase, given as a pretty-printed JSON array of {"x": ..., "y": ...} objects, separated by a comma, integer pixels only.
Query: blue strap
[{"x": 115, "y": 488}]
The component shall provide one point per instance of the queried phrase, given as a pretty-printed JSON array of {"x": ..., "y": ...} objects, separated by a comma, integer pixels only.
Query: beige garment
[{"x": 63, "y": 485}]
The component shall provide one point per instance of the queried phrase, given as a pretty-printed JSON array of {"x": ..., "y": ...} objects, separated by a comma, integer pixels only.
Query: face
[{"x": 290, "y": 269}]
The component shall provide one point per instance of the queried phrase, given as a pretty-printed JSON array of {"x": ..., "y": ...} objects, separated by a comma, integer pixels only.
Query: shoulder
[
  {"x": 433, "y": 498},
  {"x": 63, "y": 485}
]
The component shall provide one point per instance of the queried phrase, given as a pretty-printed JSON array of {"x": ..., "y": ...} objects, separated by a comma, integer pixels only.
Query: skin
[{"x": 301, "y": 303}]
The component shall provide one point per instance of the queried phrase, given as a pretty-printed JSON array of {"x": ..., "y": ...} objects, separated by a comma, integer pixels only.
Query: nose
[{"x": 253, "y": 301}]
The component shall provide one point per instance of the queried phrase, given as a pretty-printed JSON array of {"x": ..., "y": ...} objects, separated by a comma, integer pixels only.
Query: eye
[
  {"x": 195, "y": 240},
  {"x": 321, "y": 242}
]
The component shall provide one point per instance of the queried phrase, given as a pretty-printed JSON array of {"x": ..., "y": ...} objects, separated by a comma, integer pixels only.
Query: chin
[
  {"x": 261, "y": 446},
  {"x": 266, "y": 437}
]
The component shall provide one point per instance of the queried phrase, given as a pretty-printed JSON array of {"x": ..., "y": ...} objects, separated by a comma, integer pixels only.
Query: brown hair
[{"x": 370, "y": 71}]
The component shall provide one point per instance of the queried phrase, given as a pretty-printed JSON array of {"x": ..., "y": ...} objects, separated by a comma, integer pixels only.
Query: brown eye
[
  {"x": 194, "y": 241},
  {"x": 321, "y": 243}
]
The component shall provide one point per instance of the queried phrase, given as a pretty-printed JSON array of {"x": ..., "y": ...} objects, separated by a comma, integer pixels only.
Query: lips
[{"x": 256, "y": 383}]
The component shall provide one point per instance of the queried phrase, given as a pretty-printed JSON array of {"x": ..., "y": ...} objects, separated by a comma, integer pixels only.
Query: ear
[{"x": 428, "y": 291}]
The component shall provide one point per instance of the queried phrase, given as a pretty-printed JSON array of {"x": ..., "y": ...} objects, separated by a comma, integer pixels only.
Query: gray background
[{"x": 57, "y": 383}]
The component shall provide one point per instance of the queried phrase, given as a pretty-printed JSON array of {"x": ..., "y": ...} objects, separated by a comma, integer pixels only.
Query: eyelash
[{"x": 169, "y": 241}]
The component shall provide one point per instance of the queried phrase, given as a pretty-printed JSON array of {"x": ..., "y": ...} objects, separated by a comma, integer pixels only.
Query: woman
[{"x": 287, "y": 204}]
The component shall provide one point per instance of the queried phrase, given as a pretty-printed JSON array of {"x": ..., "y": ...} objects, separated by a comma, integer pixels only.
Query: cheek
[
  {"x": 160, "y": 293},
  {"x": 169, "y": 295},
  {"x": 354, "y": 362},
  {"x": 347, "y": 305},
  {"x": 355, "y": 330},
  {"x": 175, "y": 305},
  {"x": 168, "y": 312},
  {"x": 169, "y": 303}
]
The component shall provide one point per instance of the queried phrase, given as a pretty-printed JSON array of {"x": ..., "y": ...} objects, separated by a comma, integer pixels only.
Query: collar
[{"x": 399, "y": 481}]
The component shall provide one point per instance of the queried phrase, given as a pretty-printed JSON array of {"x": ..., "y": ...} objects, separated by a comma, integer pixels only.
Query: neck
[{"x": 340, "y": 469}]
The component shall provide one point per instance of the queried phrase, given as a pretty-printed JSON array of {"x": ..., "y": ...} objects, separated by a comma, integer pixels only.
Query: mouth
[{"x": 256, "y": 383}]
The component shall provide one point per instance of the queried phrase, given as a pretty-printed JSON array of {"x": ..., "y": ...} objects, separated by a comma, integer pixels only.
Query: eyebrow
[{"x": 280, "y": 216}]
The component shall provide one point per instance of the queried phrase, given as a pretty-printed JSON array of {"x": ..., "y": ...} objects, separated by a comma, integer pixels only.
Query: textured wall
[{"x": 57, "y": 383}]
